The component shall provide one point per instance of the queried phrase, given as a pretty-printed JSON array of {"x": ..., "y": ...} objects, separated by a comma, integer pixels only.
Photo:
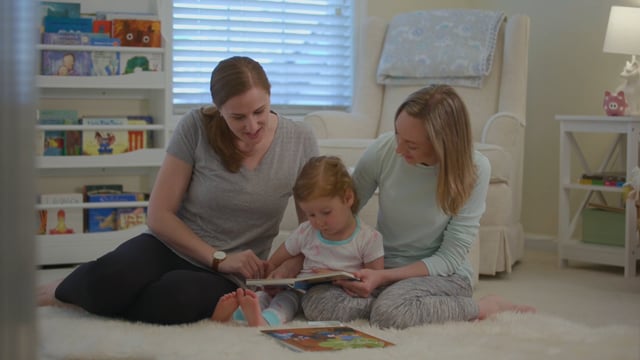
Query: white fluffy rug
[{"x": 69, "y": 334}]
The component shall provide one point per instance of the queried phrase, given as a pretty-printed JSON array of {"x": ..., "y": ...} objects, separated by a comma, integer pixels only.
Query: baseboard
[{"x": 540, "y": 242}]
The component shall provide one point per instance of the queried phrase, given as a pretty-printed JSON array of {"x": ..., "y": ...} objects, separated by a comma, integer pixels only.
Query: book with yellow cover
[{"x": 105, "y": 141}]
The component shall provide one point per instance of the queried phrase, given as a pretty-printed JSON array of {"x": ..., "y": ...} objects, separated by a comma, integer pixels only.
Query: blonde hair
[
  {"x": 231, "y": 77},
  {"x": 446, "y": 120},
  {"x": 324, "y": 176}
]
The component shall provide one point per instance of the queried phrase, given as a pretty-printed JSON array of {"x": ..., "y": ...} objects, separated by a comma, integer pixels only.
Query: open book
[
  {"x": 325, "y": 338},
  {"x": 303, "y": 281}
]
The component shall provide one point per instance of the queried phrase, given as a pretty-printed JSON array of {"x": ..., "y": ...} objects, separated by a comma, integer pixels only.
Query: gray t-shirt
[{"x": 243, "y": 210}]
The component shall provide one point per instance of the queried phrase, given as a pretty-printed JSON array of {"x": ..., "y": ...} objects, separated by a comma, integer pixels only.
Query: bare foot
[
  {"x": 493, "y": 304},
  {"x": 225, "y": 307},
  {"x": 46, "y": 294},
  {"x": 250, "y": 306}
]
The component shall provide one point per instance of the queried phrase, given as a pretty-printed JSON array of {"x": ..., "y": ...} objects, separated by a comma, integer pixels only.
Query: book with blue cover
[
  {"x": 54, "y": 24},
  {"x": 105, "y": 219}
]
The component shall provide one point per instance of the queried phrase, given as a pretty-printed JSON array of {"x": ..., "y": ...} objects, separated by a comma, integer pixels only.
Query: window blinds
[{"x": 305, "y": 46}]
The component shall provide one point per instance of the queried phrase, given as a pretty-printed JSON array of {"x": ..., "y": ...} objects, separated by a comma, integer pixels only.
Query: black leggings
[{"x": 143, "y": 280}]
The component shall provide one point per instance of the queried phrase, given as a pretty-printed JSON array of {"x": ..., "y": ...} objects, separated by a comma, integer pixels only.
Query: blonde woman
[{"x": 432, "y": 187}]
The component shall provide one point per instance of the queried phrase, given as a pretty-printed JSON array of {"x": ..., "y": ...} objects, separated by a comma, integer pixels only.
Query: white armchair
[{"x": 497, "y": 112}]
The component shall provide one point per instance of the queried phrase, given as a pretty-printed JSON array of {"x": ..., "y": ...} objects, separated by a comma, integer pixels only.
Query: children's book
[
  {"x": 59, "y": 142},
  {"x": 95, "y": 189},
  {"x": 105, "y": 219},
  {"x": 105, "y": 63},
  {"x": 137, "y": 32},
  {"x": 325, "y": 338},
  {"x": 72, "y": 142},
  {"x": 102, "y": 26},
  {"x": 302, "y": 282},
  {"x": 138, "y": 139},
  {"x": 62, "y": 38},
  {"x": 41, "y": 221},
  {"x": 129, "y": 217},
  {"x": 54, "y": 140},
  {"x": 61, "y": 219},
  {"x": 60, "y": 9},
  {"x": 112, "y": 15},
  {"x": 132, "y": 62},
  {"x": 66, "y": 63},
  {"x": 56, "y": 24},
  {"x": 103, "y": 141}
]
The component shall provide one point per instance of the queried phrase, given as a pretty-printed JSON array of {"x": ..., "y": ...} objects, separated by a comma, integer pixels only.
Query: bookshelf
[
  {"x": 627, "y": 134},
  {"x": 140, "y": 93}
]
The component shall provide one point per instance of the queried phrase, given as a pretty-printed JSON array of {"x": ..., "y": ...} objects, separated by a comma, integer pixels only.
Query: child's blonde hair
[{"x": 324, "y": 176}]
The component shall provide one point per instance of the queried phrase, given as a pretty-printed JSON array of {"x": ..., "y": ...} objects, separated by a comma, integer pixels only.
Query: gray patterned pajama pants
[{"x": 409, "y": 302}]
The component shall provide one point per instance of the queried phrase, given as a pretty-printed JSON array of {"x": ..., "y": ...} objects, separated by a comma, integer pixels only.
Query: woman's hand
[
  {"x": 244, "y": 263},
  {"x": 369, "y": 281}
]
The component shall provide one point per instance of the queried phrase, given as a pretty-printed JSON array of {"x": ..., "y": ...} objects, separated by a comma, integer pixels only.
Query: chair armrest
[
  {"x": 503, "y": 129},
  {"x": 340, "y": 124}
]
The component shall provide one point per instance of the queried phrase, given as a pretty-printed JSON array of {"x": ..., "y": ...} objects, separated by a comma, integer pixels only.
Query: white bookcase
[
  {"x": 147, "y": 93},
  {"x": 626, "y": 131}
]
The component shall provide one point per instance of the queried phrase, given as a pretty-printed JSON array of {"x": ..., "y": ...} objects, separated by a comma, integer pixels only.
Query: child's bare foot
[
  {"x": 493, "y": 304},
  {"x": 250, "y": 306},
  {"x": 225, "y": 307},
  {"x": 46, "y": 294}
]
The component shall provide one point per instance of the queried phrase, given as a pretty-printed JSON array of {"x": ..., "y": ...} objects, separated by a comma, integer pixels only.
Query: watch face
[{"x": 219, "y": 255}]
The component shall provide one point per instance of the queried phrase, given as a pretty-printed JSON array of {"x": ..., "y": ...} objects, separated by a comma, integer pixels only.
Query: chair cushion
[
  {"x": 499, "y": 208},
  {"x": 500, "y": 161}
]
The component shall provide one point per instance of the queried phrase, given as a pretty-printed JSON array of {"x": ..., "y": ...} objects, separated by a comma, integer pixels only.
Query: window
[{"x": 305, "y": 46}]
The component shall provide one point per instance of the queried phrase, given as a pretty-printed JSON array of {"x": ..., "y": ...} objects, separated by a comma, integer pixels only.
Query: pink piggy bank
[{"x": 614, "y": 105}]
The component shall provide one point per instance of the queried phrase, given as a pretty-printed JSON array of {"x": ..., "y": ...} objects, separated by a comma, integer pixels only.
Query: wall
[{"x": 568, "y": 74}]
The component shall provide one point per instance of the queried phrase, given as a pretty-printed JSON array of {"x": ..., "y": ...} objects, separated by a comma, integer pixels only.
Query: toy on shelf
[
  {"x": 614, "y": 104},
  {"x": 631, "y": 86}
]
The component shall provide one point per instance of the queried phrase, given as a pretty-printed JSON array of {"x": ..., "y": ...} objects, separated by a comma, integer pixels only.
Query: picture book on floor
[{"x": 325, "y": 338}]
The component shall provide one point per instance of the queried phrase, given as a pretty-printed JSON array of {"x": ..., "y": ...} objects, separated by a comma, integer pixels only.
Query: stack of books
[{"x": 606, "y": 178}]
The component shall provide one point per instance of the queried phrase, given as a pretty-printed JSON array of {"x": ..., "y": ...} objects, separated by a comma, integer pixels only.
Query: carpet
[{"x": 71, "y": 334}]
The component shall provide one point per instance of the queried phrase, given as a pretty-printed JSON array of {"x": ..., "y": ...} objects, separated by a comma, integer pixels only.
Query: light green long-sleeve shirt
[{"x": 413, "y": 227}]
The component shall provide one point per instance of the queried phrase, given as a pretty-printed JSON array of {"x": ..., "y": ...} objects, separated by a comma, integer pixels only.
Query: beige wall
[{"x": 568, "y": 74}]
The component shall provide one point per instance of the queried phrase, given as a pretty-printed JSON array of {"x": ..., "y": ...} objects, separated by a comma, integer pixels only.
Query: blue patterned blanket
[{"x": 447, "y": 46}]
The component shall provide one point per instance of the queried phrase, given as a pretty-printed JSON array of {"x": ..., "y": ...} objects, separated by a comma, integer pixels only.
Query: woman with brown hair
[{"x": 214, "y": 211}]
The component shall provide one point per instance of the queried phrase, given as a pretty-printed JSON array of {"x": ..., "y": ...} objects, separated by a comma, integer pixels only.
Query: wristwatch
[{"x": 218, "y": 257}]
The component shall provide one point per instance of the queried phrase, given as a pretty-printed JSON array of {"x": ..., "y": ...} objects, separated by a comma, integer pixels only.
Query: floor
[{"x": 589, "y": 294}]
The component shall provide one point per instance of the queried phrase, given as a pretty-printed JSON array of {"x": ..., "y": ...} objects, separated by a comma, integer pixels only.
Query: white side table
[{"x": 569, "y": 248}]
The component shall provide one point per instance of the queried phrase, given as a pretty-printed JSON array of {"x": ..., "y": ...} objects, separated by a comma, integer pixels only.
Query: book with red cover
[{"x": 137, "y": 32}]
